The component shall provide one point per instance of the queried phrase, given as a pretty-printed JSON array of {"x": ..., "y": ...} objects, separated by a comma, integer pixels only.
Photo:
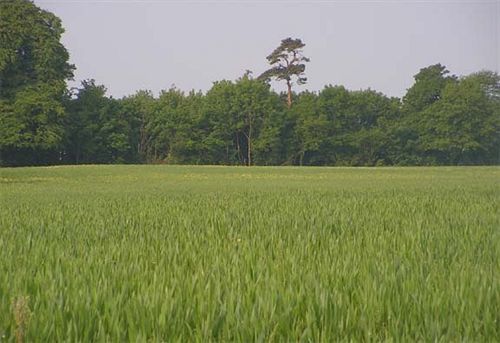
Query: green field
[{"x": 173, "y": 253}]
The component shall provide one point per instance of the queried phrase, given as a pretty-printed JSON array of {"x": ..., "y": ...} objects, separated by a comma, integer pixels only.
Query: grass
[{"x": 136, "y": 253}]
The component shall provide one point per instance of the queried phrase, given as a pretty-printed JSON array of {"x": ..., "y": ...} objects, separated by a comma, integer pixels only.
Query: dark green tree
[
  {"x": 99, "y": 129},
  {"x": 429, "y": 83},
  {"x": 140, "y": 107},
  {"x": 287, "y": 62},
  {"x": 311, "y": 130},
  {"x": 33, "y": 69},
  {"x": 83, "y": 122},
  {"x": 252, "y": 105},
  {"x": 355, "y": 126},
  {"x": 186, "y": 147},
  {"x": 427, "y": 89},
  {"x": 220, "y": 139},
  {"x": 174, "y": 127},
  {"x": 235, "y": 114},
  {"x": 31, "y": 125},
  {"x": 463, "y": 127}
]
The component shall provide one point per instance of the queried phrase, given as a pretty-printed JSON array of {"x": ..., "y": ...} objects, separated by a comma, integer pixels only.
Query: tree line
[{"x": 441, "y": 120}]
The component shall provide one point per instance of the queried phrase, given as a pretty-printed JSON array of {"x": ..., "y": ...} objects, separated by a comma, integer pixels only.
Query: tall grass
[{"x": 135, "y": 253}]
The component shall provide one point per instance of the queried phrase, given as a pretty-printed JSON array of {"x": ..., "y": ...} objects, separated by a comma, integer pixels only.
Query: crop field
[{"x": 185, "y": 253}]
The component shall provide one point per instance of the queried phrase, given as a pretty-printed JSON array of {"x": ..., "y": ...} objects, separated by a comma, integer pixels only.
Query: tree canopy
[
  {"x": 33, "y": 70},
  {"x": 442, "y": 119},
  {"x": 288, "y": 63}
]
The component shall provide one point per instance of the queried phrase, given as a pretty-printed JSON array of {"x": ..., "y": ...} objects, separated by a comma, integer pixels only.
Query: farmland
[{"x": 177, "y": 253}]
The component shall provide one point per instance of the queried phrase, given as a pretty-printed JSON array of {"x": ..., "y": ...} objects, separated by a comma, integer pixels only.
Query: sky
[{"x": 129, "y": 45}]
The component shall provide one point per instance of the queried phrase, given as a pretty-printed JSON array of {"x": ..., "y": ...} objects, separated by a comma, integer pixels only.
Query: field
[{"x": 136, "y": 253}]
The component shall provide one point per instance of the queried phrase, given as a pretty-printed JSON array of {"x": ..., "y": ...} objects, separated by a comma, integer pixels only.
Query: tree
[
  {"x": 429, "y": 83},
  {"x": 311, "y": 130},
  {"x": 33, "y": 70},
  {"x": 99, "y": 129},
  {"x": 31, "y": 125},
  {"x": 140, "y": 107},
  {"x": 186, "y": 146},
  {"x": 83, "y": 122},
  {"x": 234, "y": 116},
  {"x": 287, "y": 62},
  {"x": 354, "y": 126},
  {"x": 427, "y": 90},
  {"x": 218, "y": 135},
  {"x": 252, "y": 105},
  {"x": 463, "y": 126}
]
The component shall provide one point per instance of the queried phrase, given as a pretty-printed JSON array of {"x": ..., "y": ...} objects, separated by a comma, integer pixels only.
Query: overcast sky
[{"x": 152, "y": 44}]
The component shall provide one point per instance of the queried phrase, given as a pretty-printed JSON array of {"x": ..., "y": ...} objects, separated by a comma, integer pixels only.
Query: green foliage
[
  {"x": 32, "y": 122},
  {"x": 31, "y": 51},
  {"x": 99, "y": 129},
  {"x": 442, "y": 119},
  {"x": 287, "y": 62},
  {"x": 233, "y": 116},
  {"x": 460, "y": 125},
  {"x": 311, "y": 128},
  {"x": 175, "y": 253},
  {"x": 244, "y": 122},
  {"x": 33, "y": 69},
  {"x": 140, "y": 107},
  {"x": 429, "y": 83}
]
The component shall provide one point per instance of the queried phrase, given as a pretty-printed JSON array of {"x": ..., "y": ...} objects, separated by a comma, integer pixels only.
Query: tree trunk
[
  {"x": 289, "y": 95},
  {"x": 142, "y": 140},
  {"x": 250, "y": 144},
  {"x": 240, "y": 157}
]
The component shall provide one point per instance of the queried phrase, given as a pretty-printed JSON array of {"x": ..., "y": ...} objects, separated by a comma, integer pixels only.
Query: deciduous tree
[{"x": 33, "y": 69}]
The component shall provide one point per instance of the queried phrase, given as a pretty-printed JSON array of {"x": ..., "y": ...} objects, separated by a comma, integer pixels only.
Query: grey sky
[{"x": 131, "y": 45}]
